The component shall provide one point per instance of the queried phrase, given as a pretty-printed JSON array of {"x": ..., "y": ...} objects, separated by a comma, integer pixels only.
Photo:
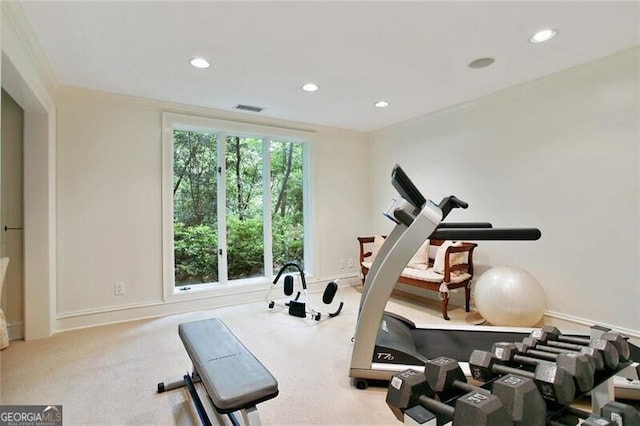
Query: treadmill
[{"x": 386, "y": 343}]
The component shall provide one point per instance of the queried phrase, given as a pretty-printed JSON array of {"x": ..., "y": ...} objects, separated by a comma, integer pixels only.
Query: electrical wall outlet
[
  {"x": 342, "y": 263},
  {"x": 350, "y": 262},
  {"x": 118, "y": 288}
]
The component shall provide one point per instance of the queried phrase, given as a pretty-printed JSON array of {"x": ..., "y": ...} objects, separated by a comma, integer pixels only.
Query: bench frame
[
  {"x": 430, "y": 285},
  {"x": 249, "y": 414},
  {"x": 210, "y": 336}
]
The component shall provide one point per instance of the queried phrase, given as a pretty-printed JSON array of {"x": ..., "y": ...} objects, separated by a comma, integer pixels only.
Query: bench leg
[
  {"x": 164, "y": 387},
  {"x": 444, "y": 296},
  {"x": 204, "y": 418},
  {"x": 250, "y": 416}
]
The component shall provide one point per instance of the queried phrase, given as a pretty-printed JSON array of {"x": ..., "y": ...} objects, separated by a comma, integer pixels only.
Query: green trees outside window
[
  {"x": 251, "y": 165},
  {"x": 287, "y": 203}
]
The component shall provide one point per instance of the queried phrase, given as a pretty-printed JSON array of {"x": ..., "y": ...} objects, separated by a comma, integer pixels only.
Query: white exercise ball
[{"x": 510, "y": 296}]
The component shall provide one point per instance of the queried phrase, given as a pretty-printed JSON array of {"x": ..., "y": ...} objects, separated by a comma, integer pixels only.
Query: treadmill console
[{"x": 406, "y": 188}]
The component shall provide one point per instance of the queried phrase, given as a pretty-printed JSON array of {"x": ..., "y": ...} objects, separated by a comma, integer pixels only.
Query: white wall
[
  {"x": 109, "y": 181},
  {"x": 561, "y": 154}
]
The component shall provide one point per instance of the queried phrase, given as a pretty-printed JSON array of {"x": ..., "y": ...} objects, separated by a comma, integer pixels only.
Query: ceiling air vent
[{"x": 248, "y": 108}]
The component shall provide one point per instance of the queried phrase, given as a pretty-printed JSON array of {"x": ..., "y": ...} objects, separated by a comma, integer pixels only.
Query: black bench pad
[{"x": 232, "y": 376}]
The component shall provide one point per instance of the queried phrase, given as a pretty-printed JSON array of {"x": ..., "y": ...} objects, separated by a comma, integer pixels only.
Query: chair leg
[
  {"x": 467, "y": 297},
  {"x": 445, "y": 304}
]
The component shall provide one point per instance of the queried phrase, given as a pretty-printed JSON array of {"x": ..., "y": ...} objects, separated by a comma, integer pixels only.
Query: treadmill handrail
[
  {"x": 451, "y": 202},
  {"x": 488, "y": 234},
  {"x": 465, "y": 225}
]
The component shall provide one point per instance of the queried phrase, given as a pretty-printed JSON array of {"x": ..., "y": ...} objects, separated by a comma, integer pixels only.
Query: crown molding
[{"x": 18, "y": 34}]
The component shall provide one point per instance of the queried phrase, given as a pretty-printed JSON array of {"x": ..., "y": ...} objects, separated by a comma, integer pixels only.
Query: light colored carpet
[{"x": 108, "y": 374}]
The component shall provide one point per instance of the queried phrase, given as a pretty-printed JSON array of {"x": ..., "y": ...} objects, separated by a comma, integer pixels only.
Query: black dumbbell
[
  {"x": 411, "y": 388},
  {"x": 577, "y": 365},
  {"x": 608, "y": 351},
  {"x": 613, "y": 413},
  {"x": 519, "y": 395},
  {"x": 616, "y": 339},
  {"x": 594, "y": 420},
  {"x": 553, "y": 382},
  {"x": 620, "y": 414},
  {"x": 595, "y": 356},
  {"x": 573, "y": 420}
]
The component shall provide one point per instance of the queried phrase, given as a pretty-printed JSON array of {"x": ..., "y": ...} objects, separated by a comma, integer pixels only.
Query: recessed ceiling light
[
  {"x": 481, "y": 63},
  {"x": 200, "y": 63},
  {"x": 543, "y": 35},
  {"x": 381, "y": 104},
  {"x": 310, "y": 87}
]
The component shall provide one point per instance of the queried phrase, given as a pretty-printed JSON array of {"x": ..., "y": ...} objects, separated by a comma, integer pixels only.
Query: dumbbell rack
[
  {"x": 558, "y": 414},
  {"x": 601, "y": 393}
]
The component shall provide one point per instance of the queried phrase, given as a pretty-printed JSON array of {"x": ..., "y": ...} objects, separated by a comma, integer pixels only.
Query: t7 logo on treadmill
[{"x": 384, "y": 356}]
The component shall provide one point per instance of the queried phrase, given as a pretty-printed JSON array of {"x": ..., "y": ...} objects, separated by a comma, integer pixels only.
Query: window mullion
[
  {"x": 222, "y": 209},
  {"x": 167, "y": 209},
  {"x": 266, "y": 199},
  {"x": 309, "y": 265}
]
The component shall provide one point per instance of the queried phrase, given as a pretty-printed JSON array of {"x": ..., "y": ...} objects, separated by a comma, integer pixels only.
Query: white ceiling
[{"x": 415, "y": 55}]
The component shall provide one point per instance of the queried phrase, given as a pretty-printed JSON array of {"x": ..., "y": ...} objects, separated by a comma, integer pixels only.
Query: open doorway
[
  {"x": 12, "y": 214},
  {"x": 23, "y": 82}
]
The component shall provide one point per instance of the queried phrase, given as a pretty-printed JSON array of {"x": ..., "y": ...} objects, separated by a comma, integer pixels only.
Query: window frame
[{"x": 223, "y": 128}]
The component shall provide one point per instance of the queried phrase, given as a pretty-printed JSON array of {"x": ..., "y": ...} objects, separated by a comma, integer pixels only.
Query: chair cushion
[
  {"x": 454, "y": 259},
  {"x": 431, "y": 275},
  {"x": 4, "y": 333},
  {"x": 420, "y": 260},
  {"x": 378, "y": 240},
  {"x": 423, "y": 275}
]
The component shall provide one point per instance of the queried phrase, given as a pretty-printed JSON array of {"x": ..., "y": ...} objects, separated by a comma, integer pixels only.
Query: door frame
[{"x": 30, "y": 83}]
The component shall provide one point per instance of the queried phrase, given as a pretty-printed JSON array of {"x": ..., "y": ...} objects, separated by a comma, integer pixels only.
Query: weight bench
[{"x": 232, "y": 376}]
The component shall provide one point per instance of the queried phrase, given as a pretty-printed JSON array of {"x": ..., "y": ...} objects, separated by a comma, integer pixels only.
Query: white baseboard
[
  {"x": 587, "y": 322},
  {"x": 90, "y": 318},
  {"x": 76, "y": 320},
  {"x": 15, "y": 330}
]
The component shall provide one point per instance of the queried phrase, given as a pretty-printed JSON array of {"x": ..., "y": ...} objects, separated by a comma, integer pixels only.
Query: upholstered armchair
[
  {"x": 447, "y": 267},
  {"x": 4, "y": 335}
]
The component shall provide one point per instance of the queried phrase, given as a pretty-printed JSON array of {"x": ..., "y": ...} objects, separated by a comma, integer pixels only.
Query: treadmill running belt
[{"x": 458, "y": 344}]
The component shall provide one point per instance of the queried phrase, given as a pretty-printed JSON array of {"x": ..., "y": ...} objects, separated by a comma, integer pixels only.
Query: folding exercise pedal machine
[{"x": 301, "y": 307}]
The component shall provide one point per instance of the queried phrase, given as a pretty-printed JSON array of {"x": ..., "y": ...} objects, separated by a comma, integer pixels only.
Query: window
[
  {"x": 195, "y": 230},
  {"x": 234, "y": 201},
  {"x": 244, "y": 160}
]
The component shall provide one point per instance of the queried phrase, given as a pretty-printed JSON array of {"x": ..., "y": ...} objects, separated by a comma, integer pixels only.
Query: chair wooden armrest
[
  {"x": 365, "y": 254},
  {"x": 365, "y": 240},
  {"x": 466, "y": 267}
]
